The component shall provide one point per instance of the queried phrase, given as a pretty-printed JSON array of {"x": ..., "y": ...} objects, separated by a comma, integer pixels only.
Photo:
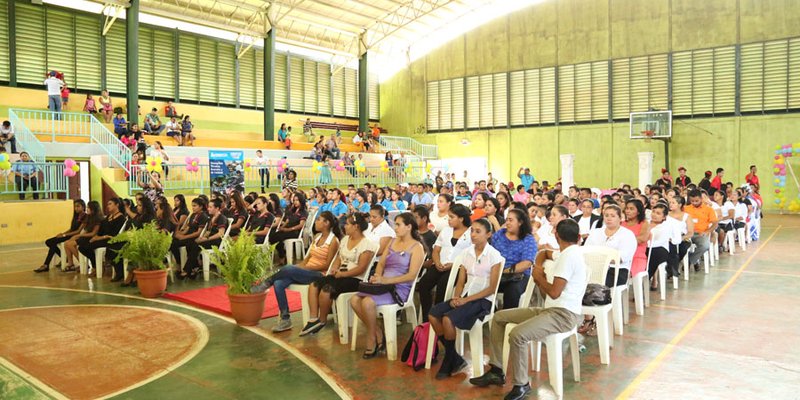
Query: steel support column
[
  {"x": 363, "y": 94},
  {"x": 12, "y": 43},
  {"x": 132, "y": 59},
  {"x": 269, "y": 85}
]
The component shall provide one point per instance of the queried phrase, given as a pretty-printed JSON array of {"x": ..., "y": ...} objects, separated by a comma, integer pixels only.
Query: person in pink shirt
[
  {"x": 521, "y": 195},
  {"x": 636, "y": 223}
]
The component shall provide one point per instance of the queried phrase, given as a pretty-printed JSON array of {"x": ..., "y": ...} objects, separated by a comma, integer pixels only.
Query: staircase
[{"x": 409, "y": 146}]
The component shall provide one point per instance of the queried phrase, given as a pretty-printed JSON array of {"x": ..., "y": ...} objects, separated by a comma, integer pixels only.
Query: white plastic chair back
[
  {"x": 227, "y": 233},
  {"x": 465, "y": 203},
  {"x": 391, "y": 217},
  {"x": 598, "y": 260}
]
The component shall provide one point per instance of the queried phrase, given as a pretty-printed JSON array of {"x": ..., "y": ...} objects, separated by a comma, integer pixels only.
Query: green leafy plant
[
  {"x": 145, "y": 248},
  {"x": 243, "y": 262}
]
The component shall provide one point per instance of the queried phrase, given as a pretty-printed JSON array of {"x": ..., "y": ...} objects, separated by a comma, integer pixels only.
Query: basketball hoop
[{"x": 648, "y": 136}]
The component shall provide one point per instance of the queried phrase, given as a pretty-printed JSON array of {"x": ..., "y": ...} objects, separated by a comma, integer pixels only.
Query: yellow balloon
[{"x": 780, "y": 160}]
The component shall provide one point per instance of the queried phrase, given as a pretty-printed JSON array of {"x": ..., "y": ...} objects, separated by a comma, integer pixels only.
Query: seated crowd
[{"x": 497, "y": 234}]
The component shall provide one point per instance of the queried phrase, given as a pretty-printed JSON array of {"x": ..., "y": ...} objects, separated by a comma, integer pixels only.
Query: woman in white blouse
[
  {"x": 661, "y": 231},
  {"x": 441, "y": 215},
  {"x": 379, "y": 230},
  {"x": 613, "y": 235},
  {"x": 451, "y": 241}
]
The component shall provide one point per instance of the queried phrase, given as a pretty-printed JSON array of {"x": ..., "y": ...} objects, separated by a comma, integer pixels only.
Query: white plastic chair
[
  {"x": 598, "y": 261},
  {"x": 99, "y": 256},
  {"x": 296, "y": 248},
  {"x": 389, "y": 313},
  {"x": 741, "y": 235},
  {"x": 303, "y": 290},
  {"x": 205, "y": 254},
  {"x": 342, "y": 309},
  {"x": 465, "y": 203}
]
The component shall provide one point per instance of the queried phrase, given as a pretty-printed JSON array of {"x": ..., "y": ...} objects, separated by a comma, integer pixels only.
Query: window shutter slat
[
  {"x": 351, "y": 92},
  {"x": 639, "y": 84},
  {"x": 310, "y": 86},
  {"x": 5, "y": 71},
  {"x": 374, "y": 97},
  {"x": 486, "y": 104},
  {"x": 339, "y": 103},
  {"x": 620, "y": 87},
  {"x": 752, "y": 78},
  {"x": 146, "y": 62},
  {"x": 281, "y": 79},
  {"x": 207, "y": 74},
  {"x": 445, "y": 104},
  {"x": 433, "y": 106},
  {"x": 296, "y": 93},
  {"x": 533, "y": 112},
  {"x": 583, "y": 92},
  {"x": 226, "y": 73},
  {"x": 600, "y": 91},
  {"x": 500, "y": 99},
  {"x": 794, "y": 74},
  {"x": 164, "y": 69},
  {"x": 87, "y": 52},
  {"x": 658, "y": 82},
  {"x": 702, "y": 82},
  {"x": 247, "y": 79},
  {"x": 775, "y": 75},
  {"x": 547, "y": 90},
  {"x": 189, "y": 88},
  {"x": 473, "y": 102},
  {"x": 457, "y": 88},
  {"x": 324, "y": 88},
  {"x": 31, "y": 53},
  {"x": 60, "y": 44},
  {"x": 517, "y": 98},
  {"x": 724, "y": 80},
  {"x": 682, "y": 83},
  {"x": 566, "y": 93}
]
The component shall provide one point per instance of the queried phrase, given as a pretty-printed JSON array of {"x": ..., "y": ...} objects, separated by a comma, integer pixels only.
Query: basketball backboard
[{"x": 651, "y": 125}]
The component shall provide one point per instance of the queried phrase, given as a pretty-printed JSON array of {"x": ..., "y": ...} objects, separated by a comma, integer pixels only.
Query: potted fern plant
[
  {"x": 146, "y": 249},
  {"x": 241, "y": 265}
]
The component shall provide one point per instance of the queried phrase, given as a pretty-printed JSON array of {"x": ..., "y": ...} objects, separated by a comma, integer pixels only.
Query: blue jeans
[
  {"x": 286, "y": 276},
  {"x": 54, "y": 104}
]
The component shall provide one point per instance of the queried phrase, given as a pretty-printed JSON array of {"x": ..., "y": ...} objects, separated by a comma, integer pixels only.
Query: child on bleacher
[
  {"x": 64, "y": 98},
  {"x": 90, "y": 106},
  {"x": 186, "y": 131}
]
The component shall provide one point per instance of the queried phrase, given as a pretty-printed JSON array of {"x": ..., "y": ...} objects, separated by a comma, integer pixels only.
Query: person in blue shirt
[
  {"x": 26, "y": 174},
  {"x": 282, "y": 133},
  {"x": 463, "y": 193},
  {"x": 526, "y": 179},
  {"x": 335, "y": 204},
  {"x": 394, "y": 203},
  {"x": 120, "y": 125},
  {"x": 317, "y": 199},
  {"x": 422, "y": 198},
  {"x": 360, "y": 203},
  {"x": 516, "y": 244}
]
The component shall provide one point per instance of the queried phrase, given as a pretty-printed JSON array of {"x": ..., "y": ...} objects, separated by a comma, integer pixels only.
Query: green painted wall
[{"x": 559, "y": 32}]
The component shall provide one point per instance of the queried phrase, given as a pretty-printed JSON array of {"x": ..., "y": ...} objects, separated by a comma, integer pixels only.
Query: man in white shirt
[
  {"x": 54, "y": 86},
  {"x": 561, "y": 312},
  {"x": 7, "y": 136},
  {"x": 174, "y": 131}
]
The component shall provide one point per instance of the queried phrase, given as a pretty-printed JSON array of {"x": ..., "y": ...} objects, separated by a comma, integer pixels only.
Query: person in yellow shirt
[{"x": 705, "y": 222}]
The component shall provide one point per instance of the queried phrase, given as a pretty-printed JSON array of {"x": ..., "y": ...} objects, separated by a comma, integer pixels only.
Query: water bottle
[{"x": 581, "y": 346}]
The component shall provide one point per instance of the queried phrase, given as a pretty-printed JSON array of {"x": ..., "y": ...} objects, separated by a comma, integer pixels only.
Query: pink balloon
[
  {"x": 188, "y": 160},
  {"x": 195, "y": 160},
  {"x": 69, "y": 163}
]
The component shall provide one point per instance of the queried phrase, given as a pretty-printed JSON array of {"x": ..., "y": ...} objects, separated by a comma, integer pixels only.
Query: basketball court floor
[{"x": 731, "y": 333}]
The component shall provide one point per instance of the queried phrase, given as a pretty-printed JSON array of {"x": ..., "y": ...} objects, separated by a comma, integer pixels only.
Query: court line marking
[
  {"x": 674, "y": 307},
  {"x": 37, "y": 384},
  {"x": 670, "y": 347},
  {"x": 313, "y": 365},
  {"x": 194, "y": 350}
]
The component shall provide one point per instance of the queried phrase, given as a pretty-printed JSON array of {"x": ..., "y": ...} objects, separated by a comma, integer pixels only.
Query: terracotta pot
[
  {"x": 151, "y": 283},
  {"x": 247, "y": 308}
]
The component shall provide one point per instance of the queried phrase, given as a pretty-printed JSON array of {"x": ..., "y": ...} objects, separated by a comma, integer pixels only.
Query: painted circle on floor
[{"x": 112, "y": 348}]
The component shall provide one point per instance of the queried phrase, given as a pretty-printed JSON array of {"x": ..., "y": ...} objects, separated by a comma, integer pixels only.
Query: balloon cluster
[
  {"x": 192, "y": 164},
  {"x": 316, "y": 167},
  {"x": 154, "y": 165},
  {"x": 5, "y": 164},
  {"x": 283, "y": 165},
  {"x": 360, "y": 167},
  {"x": 779, "y": 172},
  {"x": 384, "y": 166},
  {"x": 340, "y": 165},
  {"x": 71, "y": 168}
]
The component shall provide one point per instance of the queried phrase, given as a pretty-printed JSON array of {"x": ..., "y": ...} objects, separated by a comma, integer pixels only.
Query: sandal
[
  {"x": 69, "y": 268},
  {"x": 43, "y": 268},
  {"x": 587, "y": 325}
]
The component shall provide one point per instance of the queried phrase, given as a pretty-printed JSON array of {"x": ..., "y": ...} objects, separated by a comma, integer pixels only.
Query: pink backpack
[{"x": 417, "y": 348}]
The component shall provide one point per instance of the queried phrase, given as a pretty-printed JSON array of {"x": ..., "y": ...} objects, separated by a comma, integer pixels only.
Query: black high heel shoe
[
  {"x": 381, "y": 347},
  {"x": 371, "y": 354}
]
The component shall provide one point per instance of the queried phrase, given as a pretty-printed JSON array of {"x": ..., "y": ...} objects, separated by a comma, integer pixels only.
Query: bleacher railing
[
  {"x": 47, "y": 179},
  {"x": 407, "y": 144},
  {"x": 176, "y": 177},
  {"x": 75, "y": 124},
  {"x": 26, "y": 140}
]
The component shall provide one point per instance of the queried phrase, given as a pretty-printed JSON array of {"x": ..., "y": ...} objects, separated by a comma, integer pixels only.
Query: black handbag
[
  {"x": 380, "y": 288},
  {"x": 515, "y": 277},
  {"x": 596, "y": 295}
]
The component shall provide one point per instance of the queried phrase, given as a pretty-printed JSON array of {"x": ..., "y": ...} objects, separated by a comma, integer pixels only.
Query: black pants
[
  {"x": 176, "y": 245},
  {"x": 87, "y": 249},
  {"x": 279, "y": 237},
  {"x": 23, "y": 183},
  {"x": 193, "y": 252},
  {"x": 622, "y": 278},
  {"x": 264, "y": 173},
  {"x": 676, "y": 254},
  {"x": 13, "y": 142},
  {"x": 52, "y": 248},
  {"x": 432, "y": 279},
  {"x": 113, "y": 248},
  {"x": 512, "y": 291},
  {"x": 658, "y": 255}
]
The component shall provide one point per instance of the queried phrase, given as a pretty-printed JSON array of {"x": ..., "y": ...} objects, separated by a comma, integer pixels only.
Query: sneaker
[
  {"x": 282, "y": 326},
  {"x": 312, "y": 327},
  {"x": 261, "y": 287},
  {"x": 518, "y": 392},
  {"x": 494, "y": 376}
]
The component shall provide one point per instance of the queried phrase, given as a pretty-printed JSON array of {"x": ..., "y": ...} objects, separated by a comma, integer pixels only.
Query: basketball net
[{"x": 648, "y": 136}]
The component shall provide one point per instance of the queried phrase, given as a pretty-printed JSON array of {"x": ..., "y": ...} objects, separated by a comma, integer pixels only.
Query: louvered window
[
  {"x": 351, "y": 92},
  {"x": 207, "y": 72},
  {"x": 116, "y": 68},
  {"x": 473, "y": 100},
  {"x": 457, "y": 106},
  {"x": 583, "y": 92},
  {"x": 324, "y": 88},
  {"x": 703, "y": 81},
  {"x": 547, "y": 95},
  {"x": 296, "y": 102},
  {"x": 87, "y": 53},
  {"x": 61, "y": 44},
  {"x": 247, "y": 79},
  {"x": 374, "y": 97},
  {"x": 31, "y": 44},
  {"x": 433, "y": 106},
  {"x": 339, "y": 108},
  {"x": 638, "y": 84},
  {"x": 794, "y": 74},
  {"x": 164, "y": 56},
  {"x": 566, "y": 93},
  {"x": 5, "y": 71},
  {"x": 188, "y": 73},
  {"x": 768, "y": 74},
  {"x": 445, "y": 104},
  {"x": 147, "y": 59},
  {"x": 516, "y": 100},
  {"x": 310, "y": 86},
  {"x": 226, "y": 77}
]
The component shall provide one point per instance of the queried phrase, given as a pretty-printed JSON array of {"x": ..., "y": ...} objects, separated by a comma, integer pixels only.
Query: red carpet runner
[{"x": 215, "y": 299}]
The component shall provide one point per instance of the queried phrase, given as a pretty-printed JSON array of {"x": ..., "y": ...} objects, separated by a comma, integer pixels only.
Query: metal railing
[
  {"x": 74, "y": 124},
  {"x": 46, "y": 180},
  {"x": 407, "y": 144},
  {"x": 26, "y": 139},
  {"x": 176, "y": 177}
]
